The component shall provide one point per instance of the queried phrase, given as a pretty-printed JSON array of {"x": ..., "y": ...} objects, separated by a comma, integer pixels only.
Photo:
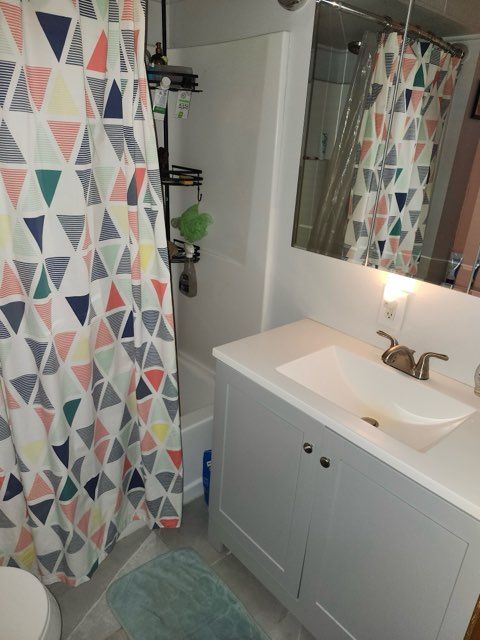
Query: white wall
[
  {"x": 302, "y": 284},
  {"x": 231, "y": 135},
  {"x": 154, "y": 22}
]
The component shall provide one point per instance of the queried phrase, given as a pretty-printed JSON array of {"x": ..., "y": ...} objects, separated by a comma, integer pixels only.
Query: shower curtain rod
[{"x": 387, "y": 22}]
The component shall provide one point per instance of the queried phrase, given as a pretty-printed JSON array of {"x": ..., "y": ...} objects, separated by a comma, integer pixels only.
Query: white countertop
[{"x": 450, "y": 469}]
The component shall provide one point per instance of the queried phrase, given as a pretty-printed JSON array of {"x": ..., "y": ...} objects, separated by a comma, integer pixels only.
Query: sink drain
[{"x": 371, "y": 421}]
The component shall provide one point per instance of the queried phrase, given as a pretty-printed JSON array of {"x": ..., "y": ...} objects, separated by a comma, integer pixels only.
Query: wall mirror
[{"x": 389, "y": 175}]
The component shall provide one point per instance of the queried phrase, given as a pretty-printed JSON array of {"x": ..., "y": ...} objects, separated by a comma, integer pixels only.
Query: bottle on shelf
[
  {"x": 160, "y": 99},
  {"x": 188, "y": 278},
  {"x": 159, "y": 59}
]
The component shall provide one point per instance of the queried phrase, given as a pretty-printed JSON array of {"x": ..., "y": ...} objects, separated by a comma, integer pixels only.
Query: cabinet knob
[
  {"x": 325, "y": 462},
  {"x": 307, "y": 447}
]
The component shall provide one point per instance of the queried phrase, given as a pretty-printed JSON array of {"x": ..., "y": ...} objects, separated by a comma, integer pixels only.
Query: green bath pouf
[{"x": 177, "y": 596}]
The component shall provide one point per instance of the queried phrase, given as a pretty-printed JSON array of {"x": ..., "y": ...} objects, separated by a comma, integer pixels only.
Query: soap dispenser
[{"x": 188, "y": 278}]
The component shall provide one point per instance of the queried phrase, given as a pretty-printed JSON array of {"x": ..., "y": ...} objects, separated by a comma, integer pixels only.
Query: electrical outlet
[{"x": 391, "y": 312}]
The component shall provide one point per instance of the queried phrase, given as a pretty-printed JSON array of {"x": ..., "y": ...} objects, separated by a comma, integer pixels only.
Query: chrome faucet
[{"x": 402, "y": 358}]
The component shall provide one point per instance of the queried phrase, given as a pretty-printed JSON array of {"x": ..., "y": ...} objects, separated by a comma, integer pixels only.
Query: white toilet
[{"x": 28, "y": 611}]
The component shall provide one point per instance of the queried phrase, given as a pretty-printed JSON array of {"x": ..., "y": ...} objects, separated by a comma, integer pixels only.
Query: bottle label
[
  {"x": 184, "y": 283},
  {"x": 160, "y": 101},
  {"x": 183, "y": 104}
]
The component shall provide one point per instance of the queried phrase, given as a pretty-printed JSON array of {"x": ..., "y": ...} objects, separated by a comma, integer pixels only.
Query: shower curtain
[
  {"x": 89, "y": 423},
  {"x": 397, "y": 209}
]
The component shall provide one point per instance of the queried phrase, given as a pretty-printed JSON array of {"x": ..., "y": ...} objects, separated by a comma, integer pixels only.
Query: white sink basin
[{"x": 405, "y": 408}]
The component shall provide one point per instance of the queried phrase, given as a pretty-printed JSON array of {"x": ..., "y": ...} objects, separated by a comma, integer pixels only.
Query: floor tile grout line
[{"x": 109, "y": 583}]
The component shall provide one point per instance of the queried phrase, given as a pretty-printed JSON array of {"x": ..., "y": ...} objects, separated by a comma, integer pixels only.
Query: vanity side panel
[{"x": 261, "y": 478}]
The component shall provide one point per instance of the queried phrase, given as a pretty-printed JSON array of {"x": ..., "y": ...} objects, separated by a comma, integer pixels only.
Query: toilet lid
[{"x": 24, "y": 605}]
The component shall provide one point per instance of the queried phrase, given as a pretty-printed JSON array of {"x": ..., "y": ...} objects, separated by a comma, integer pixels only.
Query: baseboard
[{"x": 192, "y": 491}]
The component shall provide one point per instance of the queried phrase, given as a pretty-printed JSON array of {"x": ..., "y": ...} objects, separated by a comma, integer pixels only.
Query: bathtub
[{"x": 196, "y": 384}]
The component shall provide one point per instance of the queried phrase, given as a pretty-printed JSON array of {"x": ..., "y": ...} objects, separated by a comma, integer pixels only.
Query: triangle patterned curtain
[
  {"x": 89, "y": 424},
  {"x": 426, "y": 84}
]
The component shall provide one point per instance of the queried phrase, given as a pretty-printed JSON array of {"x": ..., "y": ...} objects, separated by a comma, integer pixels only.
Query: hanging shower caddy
[{"x": 182, "y": 79}]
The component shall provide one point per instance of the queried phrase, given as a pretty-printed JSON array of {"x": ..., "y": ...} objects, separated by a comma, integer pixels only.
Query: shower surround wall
[
  {"x": 240, "y": 107},
  {"x": 297, "y": 283}
]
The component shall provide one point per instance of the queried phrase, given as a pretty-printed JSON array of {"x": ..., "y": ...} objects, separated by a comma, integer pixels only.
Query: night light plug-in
[{"x": 392, "y": 307}]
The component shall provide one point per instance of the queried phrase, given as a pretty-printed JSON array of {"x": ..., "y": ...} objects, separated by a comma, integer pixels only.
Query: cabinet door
[
  {"x": 259, "y": 471},
  {"x": 378, "y": 564}
]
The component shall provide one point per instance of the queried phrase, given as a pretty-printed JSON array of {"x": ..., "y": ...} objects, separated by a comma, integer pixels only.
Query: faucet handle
[
  {"x": 384, "y": 334},
  {"x": 422, "y": 368}
]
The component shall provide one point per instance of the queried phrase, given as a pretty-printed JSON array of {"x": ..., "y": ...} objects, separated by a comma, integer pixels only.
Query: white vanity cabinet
[{"x": 353, "y": 548}]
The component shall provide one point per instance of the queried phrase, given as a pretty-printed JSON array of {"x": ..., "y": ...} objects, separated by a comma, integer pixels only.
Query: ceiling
[
  {"x": 445, "y": 18},
  {"x": 457, "y": 16}
]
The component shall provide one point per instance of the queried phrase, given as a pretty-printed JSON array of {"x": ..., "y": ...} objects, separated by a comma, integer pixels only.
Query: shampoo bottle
[{"x": 160, "y": 99}]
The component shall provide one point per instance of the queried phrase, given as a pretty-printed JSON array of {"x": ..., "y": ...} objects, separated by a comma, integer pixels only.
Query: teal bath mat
[{"x": 177, "y": 597}]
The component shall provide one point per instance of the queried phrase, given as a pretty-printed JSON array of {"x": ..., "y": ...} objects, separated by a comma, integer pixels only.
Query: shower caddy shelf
[
  {"x": 179, "y": 176},
  {"x": 182, "y": 79},
  {"x": 181, "y": 257}
]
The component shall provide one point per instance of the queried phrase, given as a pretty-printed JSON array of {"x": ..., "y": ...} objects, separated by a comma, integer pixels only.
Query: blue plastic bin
[{"x": 207, "y": 463}]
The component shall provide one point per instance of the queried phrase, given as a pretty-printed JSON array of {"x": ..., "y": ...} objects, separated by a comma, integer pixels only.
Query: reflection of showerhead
[{"x": 354, "y": 46}]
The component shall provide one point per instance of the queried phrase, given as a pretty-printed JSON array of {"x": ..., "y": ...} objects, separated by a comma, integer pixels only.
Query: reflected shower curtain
[
  {"x": 328, "y": 231},
  {"x": 89, "y": 424},
  {"x": 426, "y": 85}
]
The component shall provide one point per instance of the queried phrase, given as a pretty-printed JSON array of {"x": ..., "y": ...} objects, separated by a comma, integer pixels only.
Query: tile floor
[{"x": 85, "y": 612}]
